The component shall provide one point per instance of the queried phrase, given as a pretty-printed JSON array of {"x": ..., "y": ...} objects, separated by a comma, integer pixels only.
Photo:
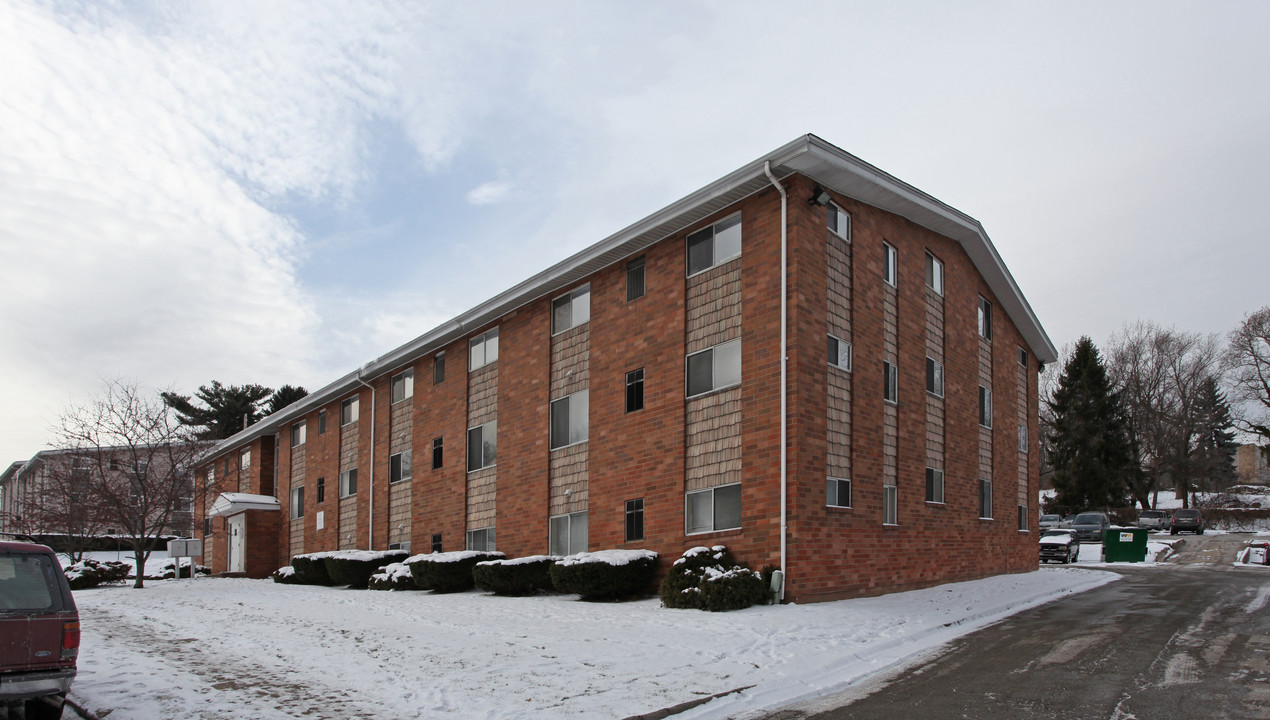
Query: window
[
  {"x": 322, "y": 421},
  {"x": 934, "y": 485},
  {"x": 839, "y": 221},
  {"x": 436, "y": 543},
  {"x": 482, "y": 350},
  {"x": 207, "y": 527},
  {"x": 438, "y": 368},
  {"x": 1023, "y": 357},
  {"x": 321, "y": 490},
  {"x": 1022, "y": 438},
  {"x": 890, "y": 503},
  {"x": 635, "y": 279},
  {"x": 297, "y": 503},
  {"x": 985, "y": 499},
  {"x": 348, "y": 482},
  {"x": 714, "y": 509},
  {"x": 299, "y": 433},
  {"x": 403, "y": 385},
  {"x": 399, "y": 467},
  {"x": 635, "y": 390},
  {"x": 568, "y": 534},
  {"x": 715, "y": 368},
  {"x": 934, "y": 377},
  {"x": 934, "y": 274},
  {"x": 569, "y": 419},
  {"x": 890, "y": 383},
  {"x": 1023, "y": 518},
  {"x": 889, "y": 260},
  {"x": 635, "y": 519},
  {"x": 839, "y": 353},
  {"x": 227, "y": 466},
  {"x": 571, "y": 310},
  {"x": 714, "y": 245},
  {"x": 436, "y": 453},
  {"x": 985, "y": 319},
  {"x": 211, "y": 476},
  {"x": 114, "y": 464},
  {"x": 482, "y": 446},
  {"x": 839, "y": 492},
  {"x": 244, "y": 461},
  {"x": 482, "y": 539},
  {"x": 985, "y": 407},
  {"x": 143, "y": 466},
  {"x": 349, "y": 410}
]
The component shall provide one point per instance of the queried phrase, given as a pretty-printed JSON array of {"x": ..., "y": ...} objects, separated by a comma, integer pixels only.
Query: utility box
[
  {"x": 1121, "y": 544},
  {"x": 1258, "y": 553}
]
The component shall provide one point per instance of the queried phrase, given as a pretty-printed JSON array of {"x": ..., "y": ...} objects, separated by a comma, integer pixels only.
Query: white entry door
[{"x": 237, "y": 543}]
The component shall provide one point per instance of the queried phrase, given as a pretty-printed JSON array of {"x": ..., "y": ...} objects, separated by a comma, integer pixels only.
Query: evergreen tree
[
  {"x": 223, "y": 410},
  {"x": 1089, "y": 447},
  {"x": 1213, "y": 460},
  {"x": 283, "y": 397}
]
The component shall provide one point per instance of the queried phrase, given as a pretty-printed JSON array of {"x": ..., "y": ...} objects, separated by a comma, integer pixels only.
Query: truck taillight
[{"x": 70, "y": 636}]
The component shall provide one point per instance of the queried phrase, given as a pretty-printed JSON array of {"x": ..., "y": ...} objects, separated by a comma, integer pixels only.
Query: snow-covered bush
[
  {"x": 395, "y": 576},
  {"x": 89, "y": 573},
  {"x": 354, "y": 567},
  {"x": 519, "y": 576},
  {"x": 447, "y": 572},
  {"x": 167, "y": 570},
  {"x": 285, "y": 575},
  {"x": 710, "y": 579},
  {"x": 605, "y": 575},
  {"x": 310, "y": 569}
]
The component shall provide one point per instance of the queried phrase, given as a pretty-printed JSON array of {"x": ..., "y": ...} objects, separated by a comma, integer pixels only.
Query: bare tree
[
  {"x": 1160, "y": 374},
  {"x": 1247, "y": 361},
  {"x": 66, "y": 505},
  {"x": 139, "y": 462}
]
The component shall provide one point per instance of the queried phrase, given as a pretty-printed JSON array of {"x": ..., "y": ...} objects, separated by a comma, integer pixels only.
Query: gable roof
[{"x": 808, "y": 155}]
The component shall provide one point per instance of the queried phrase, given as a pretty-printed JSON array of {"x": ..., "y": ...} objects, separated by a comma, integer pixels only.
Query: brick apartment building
[{"x": 631, "y": 397}]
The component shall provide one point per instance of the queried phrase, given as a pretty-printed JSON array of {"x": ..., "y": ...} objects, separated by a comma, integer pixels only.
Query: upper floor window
[
  {"x": 569, "y": 419},
  {"x": 635, "y": 279},
  {"x": 299, "y": 433},
  {"x": 934, "y": 485},
  {"x": 1022, "y": 438},
  {"x": 985, "y": 319},
  {"x": 985, "y": 407},
  {"x": 839, "y": 221},
  {"x": 322, "y": 421},
  {"x": 1023, "y": 357},
  {"x": 482, "y": 446},
  {"x": 348, "y": 482},
  {"x": 349, "y": 410},
  {"x": 297, "y": 502},
  {"x": 934, "y": 274},
  {"x": 839, "y": 492},
  {"x": 244, "y": 459},
  {"x": 635, "y": 390},
  {"x": 934, "y": 377},
  {"x": 438, "y": 450},
  {"x": 890, "y": 383},
  {"x": 714, "y": 245},
  {"x": 483, "y": 349},
  {"x": 890, "y": 259},
  {"x": 438, "y": 368},
  {"x": 399, "y": 467},
  {"x": 571, "y": 309},
  {"x": 714, "y": 368},
  {"x": 839, "y": 353},
  {"x": 403, "y": 385}
]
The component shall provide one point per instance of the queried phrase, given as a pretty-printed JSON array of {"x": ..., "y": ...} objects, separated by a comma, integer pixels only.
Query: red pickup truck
[{"x": 39, "y": 632}]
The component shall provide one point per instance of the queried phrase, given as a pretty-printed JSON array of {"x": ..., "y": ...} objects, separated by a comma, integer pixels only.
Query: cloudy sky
[{"x": 277, "y": 192}]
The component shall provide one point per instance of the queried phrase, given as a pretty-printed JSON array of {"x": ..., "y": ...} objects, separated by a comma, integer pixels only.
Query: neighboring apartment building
[
  {"x": 41, "y": 496},
  {"x": 1251, "y": 465},
  {"x": 634, "y": 396}
]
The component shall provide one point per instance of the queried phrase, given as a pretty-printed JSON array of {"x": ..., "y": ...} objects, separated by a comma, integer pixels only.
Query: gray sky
[{"x": 278, "y": 192}]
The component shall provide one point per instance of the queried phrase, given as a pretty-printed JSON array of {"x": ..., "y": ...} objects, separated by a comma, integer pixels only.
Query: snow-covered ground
[{"x": 218, "y": 648}]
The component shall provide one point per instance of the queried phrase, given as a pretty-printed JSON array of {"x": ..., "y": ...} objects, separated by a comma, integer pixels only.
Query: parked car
[
  {"x": 1153, "y": 519},
  {"x": 1050, "y": 521},
  {"x": 1060, "y": 545},
  {"x": 1187, "y": 520},
  {"x": 39, "y": 632},
  {"x": 1091, "y": 525}
]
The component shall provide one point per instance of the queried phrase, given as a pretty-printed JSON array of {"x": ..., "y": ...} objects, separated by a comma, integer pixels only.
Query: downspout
[
  {"x": 370, "y": 522},
  {"x": 767, "y": 168}
]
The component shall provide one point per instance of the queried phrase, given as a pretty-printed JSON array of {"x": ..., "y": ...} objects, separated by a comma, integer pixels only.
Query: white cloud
[{"x": 488, "y": 193}]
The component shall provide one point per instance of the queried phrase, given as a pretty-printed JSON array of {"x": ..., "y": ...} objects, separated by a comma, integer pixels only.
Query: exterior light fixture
[{"x": 819, "y": 196}]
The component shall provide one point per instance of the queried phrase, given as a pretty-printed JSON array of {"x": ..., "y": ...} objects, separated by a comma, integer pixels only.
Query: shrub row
[
  {"x": 89, "y": 573},
  {"x": 711, "y": 579}
]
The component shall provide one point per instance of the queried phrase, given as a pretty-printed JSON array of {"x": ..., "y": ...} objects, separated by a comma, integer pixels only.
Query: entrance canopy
[{"x": 234, "y": 503}]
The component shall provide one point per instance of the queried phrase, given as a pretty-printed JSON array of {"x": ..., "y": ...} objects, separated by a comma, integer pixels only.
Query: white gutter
[
  {"x": 767, "y": 168},
  {"x": 370, "y": 522}
]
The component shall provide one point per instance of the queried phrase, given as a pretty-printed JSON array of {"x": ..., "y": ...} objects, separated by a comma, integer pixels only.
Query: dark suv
[
  {"x": 1187, "y": 520},
  {"x": 39, "y": 632}
]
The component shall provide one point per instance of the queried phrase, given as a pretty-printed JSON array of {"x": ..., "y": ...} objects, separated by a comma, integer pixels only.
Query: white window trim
[
  {"x": 932, "y": 263},
  {"x": 891, "y": 377},
  {"x": 345, "y": 476},
  {"x": 297, "y": 505},
  {"x": 891, "y": 261},
  {"x": 894, "y": 493},
  {"x": 939, "y": 474},
  {"x": 850, "y": 491},
  {"x": 715, "y": 261},
  {"x": 713, "y": 529},
  {"x": 572, "y": 296},
  {"x": 490, "y": 534},
  {"x": 985, "y": 483},
  {"x": 487, "y": 339},
  {"x": 846, "y": 234},
  {"x": 1023, "y": 439},
  {"x": 841, "y": 344},
  {"x": 714, "y": 369},
  {"x": 403, "y": 478},
  {"x": 304, "y": 434},
  {"x": 985, "y": 407},
  {"x": 551, "y": 424},
  {"x": 244, "y": 459},
  {"x": 407, "y": 378},
  {"x": 569, "y": 525},
  {"x": 468, "y": 437},
  {"x": 983, "y": 318},
  {"x": 354, "y": 402},
  {"x": 938, "y": 390}
]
